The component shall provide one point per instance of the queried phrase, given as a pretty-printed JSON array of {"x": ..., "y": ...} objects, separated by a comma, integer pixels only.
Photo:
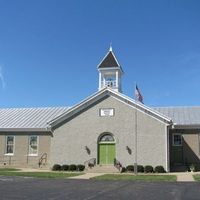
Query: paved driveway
[{"x": 32, "y": 188}]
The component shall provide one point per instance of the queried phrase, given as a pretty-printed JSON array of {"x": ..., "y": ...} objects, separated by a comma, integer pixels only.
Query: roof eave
[
  {"x": 25, "y": 129},
  {"x": 110, "y": 68},
  {"x": 186, "y": 126}
]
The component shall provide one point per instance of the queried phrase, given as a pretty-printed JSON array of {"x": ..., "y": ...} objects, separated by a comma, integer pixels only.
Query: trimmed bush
[
  {"x": 148, "y": 169},
  {"x": 188, "y": 169},
  {"x": 123, "y": 169},
  {"x": 80, "y": 167},
  {"x": 56, "y": 167},
  {"x": 159, "y": 169},
  {"x": 72, "y": 167},
  {"x": 194, "y": 168},
  {"x": 140, "y": 168},
  {"x": 90, "y": 165},
  {"x": 130, "y": 168},
  {"x": 65, "y": 167}
]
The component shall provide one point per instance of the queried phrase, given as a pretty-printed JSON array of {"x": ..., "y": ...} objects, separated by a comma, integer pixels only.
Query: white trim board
[{"x": 102, "y": 94}]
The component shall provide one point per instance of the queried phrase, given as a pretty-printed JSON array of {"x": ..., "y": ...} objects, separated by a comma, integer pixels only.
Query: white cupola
[{"x": 110, "y": 72}]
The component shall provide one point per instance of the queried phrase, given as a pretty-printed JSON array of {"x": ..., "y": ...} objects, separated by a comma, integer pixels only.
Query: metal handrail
[
  {"x": 117, "y": 164},
  {"x": 42, "y": 158},
  {"x": 90, "y": 163},
  {"x": 111, "y": 83}
]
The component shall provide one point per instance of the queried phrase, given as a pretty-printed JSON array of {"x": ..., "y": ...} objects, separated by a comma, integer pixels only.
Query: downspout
[
  {"x": 50, "y": 130},
  {"x": 168, "y": 147}
]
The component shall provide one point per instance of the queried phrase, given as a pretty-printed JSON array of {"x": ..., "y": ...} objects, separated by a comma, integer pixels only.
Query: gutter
[
  {"x": 186, "y": 126},
  {"x": 25, "y": 130}
]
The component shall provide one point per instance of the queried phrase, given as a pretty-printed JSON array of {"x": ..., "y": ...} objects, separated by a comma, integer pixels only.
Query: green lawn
[
  {"x": 39, "y": 174},
  {"x": 196, "y": 177},
  {"x": 136, "y": 177},
  {"x": 8, "y": 169}
]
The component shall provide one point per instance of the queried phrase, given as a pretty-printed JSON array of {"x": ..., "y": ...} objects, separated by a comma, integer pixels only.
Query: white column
[
  {"x": 104, "y": 82},
  {"x": 99, "y": 80},
  {"x": 117, "y": 79}
]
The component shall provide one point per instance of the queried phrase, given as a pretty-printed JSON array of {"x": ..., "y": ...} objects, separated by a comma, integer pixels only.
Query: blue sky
[{"x": 49, "y": 50}]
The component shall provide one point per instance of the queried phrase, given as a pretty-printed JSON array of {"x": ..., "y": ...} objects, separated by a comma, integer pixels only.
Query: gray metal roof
[
  {"x": 37, "y": 118},
  {"x": 28, "y": 118},
  {"x": 182, "y": 115}
]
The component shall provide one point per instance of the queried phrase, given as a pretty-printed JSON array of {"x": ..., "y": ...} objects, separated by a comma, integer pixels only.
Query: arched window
[{"x": 106, "y": 138}]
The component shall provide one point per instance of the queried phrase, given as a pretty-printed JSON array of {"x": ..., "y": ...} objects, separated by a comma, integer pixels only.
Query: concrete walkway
[
  {"x": 185, "y": 177},
  {"x": 181, "y": 176},
  {"x": 87, "y": 176}
]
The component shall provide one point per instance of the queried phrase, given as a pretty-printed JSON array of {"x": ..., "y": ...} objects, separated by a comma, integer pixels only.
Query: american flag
[{"x": 138, "y": 95}]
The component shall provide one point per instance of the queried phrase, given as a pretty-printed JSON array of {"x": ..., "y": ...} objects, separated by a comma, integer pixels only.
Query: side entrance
[
  {"x": 106, "y": 150},
  {"x": 177, "y": 149}
]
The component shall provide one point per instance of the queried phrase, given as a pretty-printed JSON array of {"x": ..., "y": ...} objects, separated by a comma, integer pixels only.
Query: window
[
  {"x": 107, "y": 138},
  {"x": 9, "y": 145},
  {"x": 33, "y": 145},
  {"x": 177, "y": 139}
]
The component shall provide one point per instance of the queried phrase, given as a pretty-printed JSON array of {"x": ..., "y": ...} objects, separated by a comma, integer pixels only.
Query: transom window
[
  {"x": 107, "y": 138},
  {"x": 177, "y": 139},
  {"x": 10, "y": 144},
  {"x": 33, "y": 145}
]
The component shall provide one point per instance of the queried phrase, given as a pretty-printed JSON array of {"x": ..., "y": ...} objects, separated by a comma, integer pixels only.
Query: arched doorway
[{"x": 106, "y": 149}]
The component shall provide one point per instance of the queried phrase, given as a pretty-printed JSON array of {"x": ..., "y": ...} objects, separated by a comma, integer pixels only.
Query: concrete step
[{"x": 103, "y": 169}]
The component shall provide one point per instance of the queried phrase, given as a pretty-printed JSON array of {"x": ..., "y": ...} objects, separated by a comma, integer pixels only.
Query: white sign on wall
[{"x": 106, "y": 112}]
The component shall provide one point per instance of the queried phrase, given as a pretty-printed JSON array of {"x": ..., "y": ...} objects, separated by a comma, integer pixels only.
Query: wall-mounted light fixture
[
  {"x": 128, "y": 149},
  {"x": 87, "y": 150}
]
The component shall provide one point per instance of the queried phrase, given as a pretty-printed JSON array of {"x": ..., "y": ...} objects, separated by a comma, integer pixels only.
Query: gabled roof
[
  {"x": 28, "y": 119},
  {"x": 182, "y": 116},
  {"x": 102, "y": 94},
  {"x": 43, "y": 119},
  {"x": 109, "y": 61}
]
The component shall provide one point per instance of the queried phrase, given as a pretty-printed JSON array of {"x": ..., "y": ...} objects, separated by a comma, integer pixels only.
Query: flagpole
[{"x": 135, "y": 160}]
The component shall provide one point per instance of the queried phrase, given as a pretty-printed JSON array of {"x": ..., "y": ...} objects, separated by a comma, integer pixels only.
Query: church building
[{"x": 106, "y": 127}]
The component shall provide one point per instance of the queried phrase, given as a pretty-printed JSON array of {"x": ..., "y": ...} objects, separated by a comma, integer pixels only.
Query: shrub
[
  {"x": 123, "y": 169},
  {"x": 56, "y": 167},
  {"x": 140, "y": 168},
  {"x": 148, "y": 169},
  {"x": 159, "y": 169},
  {"x": 90, "y": 165},
  {"x": 80, "y": 167},
  {"x": 130, "y": 168},
  {"x": 188, "y": 169},
  {"x": 65, "y": 167},
  {"x": 197, "y": 167},
  {"x": 194, "y": 168},
  {"x": 72, "y": 167}
]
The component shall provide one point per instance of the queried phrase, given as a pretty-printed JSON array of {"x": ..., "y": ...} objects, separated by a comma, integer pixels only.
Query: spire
[
  {"x": 110, "y": 72},
  {"x": 109, "y": 60},
  {"x": 110, "y": 47}
]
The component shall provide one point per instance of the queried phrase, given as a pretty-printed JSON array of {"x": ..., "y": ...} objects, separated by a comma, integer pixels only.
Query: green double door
[{"x": 106, "y": 153}]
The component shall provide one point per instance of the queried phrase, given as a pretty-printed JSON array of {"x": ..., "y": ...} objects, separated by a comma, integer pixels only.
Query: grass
[
  {"x": 136, "y": 177},
  {"x": 59, "y": 175},
  {"x": 8, "y": 169},
  {"x": 196, "y": 177}
]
